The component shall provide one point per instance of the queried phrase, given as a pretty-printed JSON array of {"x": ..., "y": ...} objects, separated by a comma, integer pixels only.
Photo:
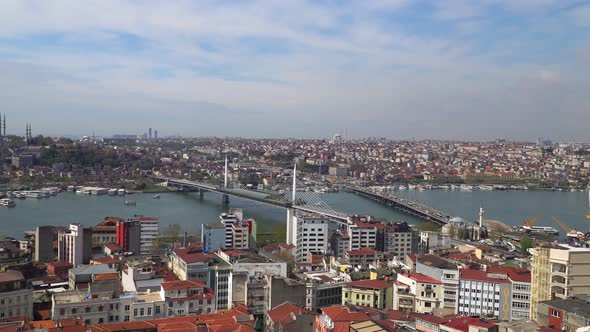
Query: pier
[{"x": 406, "y": 206}]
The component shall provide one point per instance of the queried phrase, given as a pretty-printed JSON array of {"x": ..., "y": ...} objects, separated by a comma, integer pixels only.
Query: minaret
[
  {"x": 1, "y": 125},
  {"x": 481, "y": 216}
]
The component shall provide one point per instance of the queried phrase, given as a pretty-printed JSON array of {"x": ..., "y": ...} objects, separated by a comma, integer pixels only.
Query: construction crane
[
  {"x": 530, "y": 223},
  {"x": 570, "y": 231}
]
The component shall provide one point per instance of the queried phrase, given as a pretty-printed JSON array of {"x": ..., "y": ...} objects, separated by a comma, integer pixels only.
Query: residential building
[
  {"x": 75, "y": 245},
  {"x": 558, "y": 271},
  {"x": 59, "y": 269},
  {"x": 431, "y": 241},
  {"x": 141, "y": 306},
  {"x": 416, "y": 292},
  {"x": 520, "y": 280},
  {"x": 368, "y": 293},
  {"x": 288, "y": 317},
  {"x": 283, "y": 290},
  {"x": 323, "y": 288},
  {"x": 363, "y": 235},
  {"x": 570, "y": 314},
  {"x": 149, "y": 232},
  {"x": 364, "y": 258},
  {"x": 309, "y": 233},
  {"x": 228, "y": 220},
  {"x": 80, "y": 276},
  {"x": 212, "y": 237},
  {"x": 240, "y": 235},
  {"x": 338, "y": 318},
  {"x": 209, "y": 268},
  {"x": 400, "y": 239},
  {"x": 16, "y": 300},
  {"x": 339, "y": 242},
  {"x": 128, "y": 235},
  {"x": 461, "y": 324},
  {"x": 484, "y": 293},
  {"x": 445, "y": 272},
  {"x": 184, "y": 297},
  {"x": 44, "y": 237}
]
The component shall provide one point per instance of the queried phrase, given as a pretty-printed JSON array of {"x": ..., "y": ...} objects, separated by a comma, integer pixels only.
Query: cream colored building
[
  {"x": 561, "y": 271},
  {"x": 417, "y": 293},
  {"x": 369, "y": 293}
]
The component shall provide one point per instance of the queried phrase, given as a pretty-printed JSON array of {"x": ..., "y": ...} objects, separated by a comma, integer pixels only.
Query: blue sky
[{"x": 396, "y": 68}]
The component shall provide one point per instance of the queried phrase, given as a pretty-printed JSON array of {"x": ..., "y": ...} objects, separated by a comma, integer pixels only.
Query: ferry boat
[
  {"x": 539, "y": 230},
  {"x": 7, "y": 202},
  {"x": 34, "y": 194}
]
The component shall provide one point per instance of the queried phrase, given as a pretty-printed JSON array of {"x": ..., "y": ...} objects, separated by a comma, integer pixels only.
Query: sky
[{"x": 401, "y": 69}]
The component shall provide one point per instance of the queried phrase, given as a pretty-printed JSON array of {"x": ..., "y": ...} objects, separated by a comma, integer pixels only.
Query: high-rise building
[
  {"x": 155, "y": 134},
  {"x": 75, "y": 245},
  {"x": 363, "y": 235},
  {"x": 477, "y": 287},
  {"x": 128, "y": 235},
  {"x": 149, "y": 232},
  {"x": 44, "y": 236},
  {"x": 558, "y": 271},
  {"x": 213, "y": 237},
  {"x": 309, "y": 233},
  {"x": 150, "y": 134}
]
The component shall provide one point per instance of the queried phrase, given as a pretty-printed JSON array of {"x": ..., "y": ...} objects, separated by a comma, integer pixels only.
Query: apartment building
[
  {"x": 212, "y": 237},
  {"x": 75, "y": 245},
  {"x": 445, "y": 272},
  {"x": 16, "y": 300},
  {"x": 484, "y": 293},
  {"x": 44, "y": 236},
  {"x": 364, "y": 258},
  {"x": 209, "y": 268},
  {"x": 571, "y": 314},
  {"x": 416, "y": 292},
  {"x": 558, "y": 271},
  {"x": 309, "y": 233},
  {"x": 184, "y": 297},
  {"x": 128, "y": 235},
  {"x": 339, "y": 243},
  {"x": 520, "y": 301},
  {"x": 400, "y": 239},
  {"x": 368, "y": 293},
  {"x": 323, "y": 288},
  {"x": 363, "y": 235},
  {"x": 149, "y": 232}
]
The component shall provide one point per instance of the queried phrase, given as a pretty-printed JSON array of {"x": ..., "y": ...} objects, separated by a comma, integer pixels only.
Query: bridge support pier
[
  {"x": 225, "y": 199},
  {"x": 201, "y": 193}
]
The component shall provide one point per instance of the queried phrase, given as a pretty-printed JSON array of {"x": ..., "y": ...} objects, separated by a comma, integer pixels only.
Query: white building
[
  {"x": 484, "y": 294},
  {"x": 74, "y": 245},
  {"x": 362, "y": 235},
  {"x": 430, "y": 241},
  {"x": 228, "y": 219},
  {"x": 15, "y": 299},
  {"x": 309, "y": 233},
  {"x": 445, "y": 272},
  {"x": 185, "y": 297},
  {"x": 400, "y": 240}
]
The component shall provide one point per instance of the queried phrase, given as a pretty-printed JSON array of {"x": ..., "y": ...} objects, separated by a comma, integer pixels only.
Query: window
[
  {"x": 141, "y": 312},
  {"x": 87, "y": 309},
  {"x": 126, "y": 319},
  {"x": 555, "y": 313},
  {"x": 62, "y": 311},
  {"x": 100, "y": 320},
  {"x": 135, "y": 312},
  {"x": 149, "y": 311},
  {"x": 126, "y": 307},
  {"x": 74, "y": 310},
  {"x": 100, "y": 308},
  {"x": 157, "y": 309}
]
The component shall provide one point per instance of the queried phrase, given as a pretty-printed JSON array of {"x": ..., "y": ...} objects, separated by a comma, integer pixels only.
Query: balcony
[
  {"x": 558, "y": 290},
  {"x": 556, "y": 279},
  {"x": 558, "y": 268}
]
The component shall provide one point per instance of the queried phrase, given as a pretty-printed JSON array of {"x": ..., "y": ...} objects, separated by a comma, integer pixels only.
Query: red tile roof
[
  {"x": 282, "y": 313},
  {"x": 193, "y": 256},
  {"x": 514, "y": 273},
  {"x": 361, "y": 224},
  {"x": 369, "y": 284},
  {"x": 107, "y": 276},
  {"x": 419, "y": 277},
  {"x": 478, "y": 275},
  {"x": 363, "y": 251},
  {"x": 181, "y": 284},
  {"x": 463, "y": 323},
  {"x": 342, "y": 314}
]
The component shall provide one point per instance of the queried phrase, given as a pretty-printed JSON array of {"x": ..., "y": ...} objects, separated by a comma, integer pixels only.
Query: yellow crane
[
  {"x": 529, "y": 223},
  {"x": 570, "y": 231}
]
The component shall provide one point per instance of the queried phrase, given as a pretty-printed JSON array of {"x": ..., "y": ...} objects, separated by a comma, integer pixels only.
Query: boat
[
  {"x": 121, "y": 192},
  {"x": 130, "y": 203},
  {"x": 156, "y": 196},
  {"x": 486, "y": 187},
  {"x": 7, "y": 202},
  {"x": 465, "y": 187},
  {"x": 20, "y": 195},
  {"x": 34, "y": 194},
  {"x": 112, "y": 192},
  {"x": 71, "y": 188}
]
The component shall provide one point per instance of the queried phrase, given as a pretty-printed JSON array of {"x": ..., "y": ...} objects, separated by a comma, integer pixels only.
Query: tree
[
  {"x": 526, "y": 243},
  {"x": 172, "y": 231},
  {"x": 428, "y": 226}
]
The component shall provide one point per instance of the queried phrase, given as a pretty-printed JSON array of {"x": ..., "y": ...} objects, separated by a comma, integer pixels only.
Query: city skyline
[{"x": 459, "y": 70}]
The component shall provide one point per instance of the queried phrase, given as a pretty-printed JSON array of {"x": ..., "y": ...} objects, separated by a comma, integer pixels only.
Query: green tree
[
  {"x": 526, "y": 243},
  {"x": 172, "y": 231}
]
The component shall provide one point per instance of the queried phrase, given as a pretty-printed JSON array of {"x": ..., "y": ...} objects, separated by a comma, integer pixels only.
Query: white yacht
[
  {"x": 112, "y": 192},
  {"x": 121, "y": 192},
  {"x": 7, "y": 202}
]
